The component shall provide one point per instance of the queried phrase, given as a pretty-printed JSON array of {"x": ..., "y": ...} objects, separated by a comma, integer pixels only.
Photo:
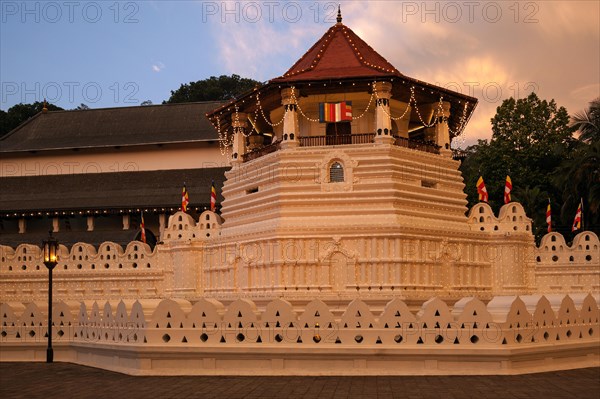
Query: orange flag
[
  {"x": 481, "y": 190},
  {"x": 578, "y": 217},
  {"x": 507, "y": 189},
  {"x": 213, "y": 197},
  {"x": 143, "y": 228},
  {"x": 549, "y": 217},
  {"x": 185, "y": 199}
]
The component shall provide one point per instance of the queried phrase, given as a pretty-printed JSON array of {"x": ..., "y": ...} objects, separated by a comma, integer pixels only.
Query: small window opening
[{"x": 336, "y": 173}]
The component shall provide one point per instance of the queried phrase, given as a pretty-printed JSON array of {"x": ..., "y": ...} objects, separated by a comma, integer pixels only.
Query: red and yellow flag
[
  {"x": 335, "y": 112},
  {"x": 213, "y": 197},
  {"x": 578, "y": 217},
  {"x": 549, "y": 217},
  {"x": 507, "y": 189},
  {"x": 481, "y": 190},
  {"x": 143, "y": 228},
  {"x": 185, "y": 199}
]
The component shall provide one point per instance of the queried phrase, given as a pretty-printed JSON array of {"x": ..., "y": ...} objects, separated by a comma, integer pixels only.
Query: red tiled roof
[{"x": 340, "y": 53}]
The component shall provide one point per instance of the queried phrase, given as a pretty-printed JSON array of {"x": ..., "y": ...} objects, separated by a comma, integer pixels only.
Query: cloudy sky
[{"x": 113, "y": 54}]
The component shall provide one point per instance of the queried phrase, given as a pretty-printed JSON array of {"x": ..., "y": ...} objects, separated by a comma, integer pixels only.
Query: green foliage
[
  {"x": 19, "y": 113},
  {"x": 588, "y": 122},
  {"x": 579, "y": 177},
  {"x": 533, "y": 142},
  {"x": 212, "y": 89}
]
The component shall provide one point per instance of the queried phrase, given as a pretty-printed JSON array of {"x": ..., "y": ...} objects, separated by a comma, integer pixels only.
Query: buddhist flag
[
  {"x": 185, "y": 199},
  {"x": 213, "y": 197},
  {"x": 143, "y": 228},
  {"x": 549, "y": 217},
  {"x": 335, "y": 112},
  {"x": 507, "y": 189},
  {"x": 578, "y": 217},
  {"x": 481, "y": 190}
]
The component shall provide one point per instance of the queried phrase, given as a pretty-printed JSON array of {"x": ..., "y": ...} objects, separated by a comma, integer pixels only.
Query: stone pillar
[
  {"x": 290, "y": 119},
  {"x": 442, "y": 133},
  {"x": 55, "y": 225},
  {"x": 161, "y": 224},
  {"x": 383, "y": 121},
  {"x": 240, "y": 124},
  {"x": 90, "y": 223},
  {"x": 22, "y": 226},
  {"x": 126, "y": 220}
]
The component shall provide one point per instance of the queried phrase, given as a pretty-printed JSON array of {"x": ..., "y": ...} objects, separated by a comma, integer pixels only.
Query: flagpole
[{"x": 582, "y": 228}]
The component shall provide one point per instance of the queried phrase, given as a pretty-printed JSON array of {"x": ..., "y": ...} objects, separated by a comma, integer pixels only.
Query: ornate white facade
[{"x": 196, "y": 259}]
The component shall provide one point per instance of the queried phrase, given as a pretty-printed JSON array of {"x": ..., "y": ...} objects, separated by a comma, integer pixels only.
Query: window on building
[{"x": 336, "y": 173}]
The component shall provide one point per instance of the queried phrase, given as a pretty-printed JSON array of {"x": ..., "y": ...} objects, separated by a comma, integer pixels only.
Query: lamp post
[{"x": 50, "y": 248}]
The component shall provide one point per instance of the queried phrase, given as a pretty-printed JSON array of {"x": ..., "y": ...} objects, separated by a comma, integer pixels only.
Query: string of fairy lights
[{"x": 226, "y": 139}]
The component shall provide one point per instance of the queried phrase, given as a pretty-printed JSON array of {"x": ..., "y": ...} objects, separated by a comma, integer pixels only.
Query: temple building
[
  {"x": 88, "y": 175},
  {"x": 337, "y": 180},
  {"x": 342, "y": 243}
]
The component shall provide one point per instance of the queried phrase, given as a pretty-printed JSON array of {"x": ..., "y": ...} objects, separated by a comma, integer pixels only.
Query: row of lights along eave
[
  {"x": 234, "y": 106},
  {"x": 98, "y": 212}
]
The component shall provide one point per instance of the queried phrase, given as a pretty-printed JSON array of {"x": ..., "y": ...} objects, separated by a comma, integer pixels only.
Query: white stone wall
[
  {"x": 196, "y": 260},
  {"x": 82, "y": 272},
  {"x": 123, "y": 160},
  {"x": 561, "y": 267},
  {"x": 177, "y": 336}
]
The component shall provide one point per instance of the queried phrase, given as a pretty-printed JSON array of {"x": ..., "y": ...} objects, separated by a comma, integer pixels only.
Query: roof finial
[
  {"x": 339, "y": 16},
  {"x": 45, "y": 109}
]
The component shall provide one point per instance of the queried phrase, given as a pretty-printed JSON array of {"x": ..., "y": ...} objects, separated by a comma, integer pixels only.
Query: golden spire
[
  {"x": 339, "y": 16},
  {"x": 45, "y": 109}
]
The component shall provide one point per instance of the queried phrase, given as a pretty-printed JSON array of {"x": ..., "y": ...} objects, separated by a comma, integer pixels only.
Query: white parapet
[{"x": 150, "y": 337}]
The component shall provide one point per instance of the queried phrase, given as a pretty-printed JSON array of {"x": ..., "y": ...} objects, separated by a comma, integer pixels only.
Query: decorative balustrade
[
  {"x": 506, "y": 320},
  {"x": 317, "y": 141},
  {"x": 426, "y": 146},
  {"x": 259, "y": 152},
  {"x": 359, "y": 138},
  {"x": 155, "y": 337}
]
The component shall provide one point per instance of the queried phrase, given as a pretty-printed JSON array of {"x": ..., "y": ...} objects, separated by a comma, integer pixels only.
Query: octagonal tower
[{"x": 342, "y": 181}]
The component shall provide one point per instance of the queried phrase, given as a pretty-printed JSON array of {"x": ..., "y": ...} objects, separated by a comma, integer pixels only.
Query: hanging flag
[
  {"x": 507, "y": 189},
  {"x": 578, "y": 217},
  {"x": 213, "y": 197},
  {"x": 481, "y": 190},
  {"x": 143, "y": 228},
  {"x": 335, "y": 112},
  {"x": 549, "y": 217},
  {"x": 185, "y": 199}
]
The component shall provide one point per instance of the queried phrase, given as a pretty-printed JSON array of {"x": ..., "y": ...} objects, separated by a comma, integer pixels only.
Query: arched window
[{"x": 336, "y": 173}]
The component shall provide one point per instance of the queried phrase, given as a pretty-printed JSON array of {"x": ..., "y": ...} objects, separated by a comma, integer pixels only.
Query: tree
[
  {"x": 82, "y": 107},
  {"x": 212, "y": 89},
  {"x": 531, "y": 123},
  {"x": 19, "y": 113},
  {"x": 147, "y": 102},
  {"x": 531, "y": 138},
  {"x": 588, "y": 122},
  {"x": 578, "y": 177}
]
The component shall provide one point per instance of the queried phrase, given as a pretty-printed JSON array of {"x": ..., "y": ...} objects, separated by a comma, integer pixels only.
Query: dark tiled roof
[
  {"x": 110, "y": 127},
  {"x": 111, "y": 191},
  {"x": 339, "y": 54}
]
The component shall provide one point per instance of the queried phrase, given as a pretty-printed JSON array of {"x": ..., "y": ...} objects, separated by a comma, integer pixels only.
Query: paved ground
[{"x": 41, "y": 380}]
